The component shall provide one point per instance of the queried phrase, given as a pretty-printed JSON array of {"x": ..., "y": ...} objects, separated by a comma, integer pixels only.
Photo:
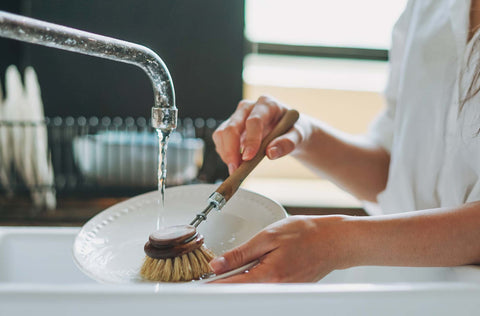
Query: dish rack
[{"x": 117, "y": 156}]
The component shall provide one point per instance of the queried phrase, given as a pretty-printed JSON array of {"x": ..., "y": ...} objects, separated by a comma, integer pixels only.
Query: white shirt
[{"x": 435, "y": 152}]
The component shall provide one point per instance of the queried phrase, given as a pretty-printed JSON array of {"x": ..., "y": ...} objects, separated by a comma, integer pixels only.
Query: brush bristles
[{"x": 190, "y": 266}]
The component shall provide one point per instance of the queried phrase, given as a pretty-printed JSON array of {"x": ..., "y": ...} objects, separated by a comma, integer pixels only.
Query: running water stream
[{"x": 162, "y": 171}]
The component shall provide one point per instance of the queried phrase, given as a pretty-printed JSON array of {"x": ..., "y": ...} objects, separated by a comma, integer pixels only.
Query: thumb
[
  {"x": 241, "y": 255},
  {"x": 283, "y": 145}
]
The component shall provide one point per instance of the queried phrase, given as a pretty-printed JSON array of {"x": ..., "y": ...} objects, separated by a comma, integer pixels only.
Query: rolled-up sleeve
[{"x": 381, "y": 130}]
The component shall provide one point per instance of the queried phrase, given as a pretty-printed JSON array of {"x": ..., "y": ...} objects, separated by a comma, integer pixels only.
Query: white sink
[
  {"x": 38, "y": 276},
  {"x": 38, "y": 255}
]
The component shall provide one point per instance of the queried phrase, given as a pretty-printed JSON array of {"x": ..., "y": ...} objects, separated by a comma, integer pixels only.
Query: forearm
[
  {"x": 351, "y": 162},
  {"x": 437, "y": 237}
]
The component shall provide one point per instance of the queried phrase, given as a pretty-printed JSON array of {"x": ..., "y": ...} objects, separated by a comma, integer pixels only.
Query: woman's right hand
[{"x": 239, "y": 137}]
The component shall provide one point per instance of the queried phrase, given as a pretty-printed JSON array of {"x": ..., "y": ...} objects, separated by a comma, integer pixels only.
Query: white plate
[{"x": 109, "y": 247}]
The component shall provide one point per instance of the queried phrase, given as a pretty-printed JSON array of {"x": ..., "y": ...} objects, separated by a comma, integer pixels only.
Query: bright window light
[{"x": 336, "y": 23}]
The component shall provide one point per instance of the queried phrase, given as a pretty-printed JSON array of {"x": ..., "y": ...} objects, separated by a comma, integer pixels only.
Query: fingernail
[
  {"x": 231, "y": 168},
  {"x": 274, "y": 153},
  {"x": 218, "y": 265},
  {"x": 247, "y": 153}
]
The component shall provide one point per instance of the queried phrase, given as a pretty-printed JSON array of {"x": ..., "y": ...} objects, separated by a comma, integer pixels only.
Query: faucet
[{"x": 164, "y": 111}]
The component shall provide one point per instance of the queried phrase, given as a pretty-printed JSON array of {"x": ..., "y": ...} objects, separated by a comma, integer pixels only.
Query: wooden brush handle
[{"x": 228, "y": 188}]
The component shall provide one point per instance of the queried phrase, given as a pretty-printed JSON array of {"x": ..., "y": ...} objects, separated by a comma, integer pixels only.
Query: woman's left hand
[{"x": 295, "y": 249}]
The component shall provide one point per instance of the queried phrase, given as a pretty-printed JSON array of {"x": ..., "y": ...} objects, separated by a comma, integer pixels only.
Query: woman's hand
[
  {"x": 296, "y": 249},
  {"x": 239, "y": 137}
]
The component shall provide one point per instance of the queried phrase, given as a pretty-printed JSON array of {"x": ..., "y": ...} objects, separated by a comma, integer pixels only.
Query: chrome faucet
[{"x": 164, "y": 111}]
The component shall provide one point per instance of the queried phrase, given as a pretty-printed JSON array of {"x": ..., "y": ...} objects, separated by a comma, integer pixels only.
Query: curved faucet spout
[{"x": 164, "y": 111}]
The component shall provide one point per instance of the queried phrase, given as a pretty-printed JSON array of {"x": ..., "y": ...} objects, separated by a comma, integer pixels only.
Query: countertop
[{"x": 299, "y": 197}]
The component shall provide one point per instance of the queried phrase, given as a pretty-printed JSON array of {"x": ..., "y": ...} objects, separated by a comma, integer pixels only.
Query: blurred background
[{"x": 327, "y": 59}]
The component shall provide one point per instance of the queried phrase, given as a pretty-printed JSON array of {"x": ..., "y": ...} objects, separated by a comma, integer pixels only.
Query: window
[{"x": 341, "y": 24}]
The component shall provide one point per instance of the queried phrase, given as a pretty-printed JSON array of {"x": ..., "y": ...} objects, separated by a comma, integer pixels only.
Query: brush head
[
  {"x": 191, "y": 266},
  {"x": 173, "y": 241},
  {"x": 172, "y": 235},
  {"x": 175, "y": 253}
]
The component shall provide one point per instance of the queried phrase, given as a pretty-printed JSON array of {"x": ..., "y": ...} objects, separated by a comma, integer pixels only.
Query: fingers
[
  {"x": 273, "y": 267},
  {"x": 264, "y": 115},
  {"x": 284, "y": 144},
  {"x": 228, "y": 134},
  {"x": 228, "y": 145},
  {"x": 258, "y": 274},
  {"x": 253, "y": 249},
  {"x": 239, "y": 137}
]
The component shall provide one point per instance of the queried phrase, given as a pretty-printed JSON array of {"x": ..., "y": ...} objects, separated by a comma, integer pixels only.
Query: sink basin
[
  {"x": 38, "y": 255},
  {"x": 38, "y": 275}
]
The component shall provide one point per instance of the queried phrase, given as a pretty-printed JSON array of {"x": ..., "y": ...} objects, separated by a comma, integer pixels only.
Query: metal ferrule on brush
[{"x": 217, "y": 201}]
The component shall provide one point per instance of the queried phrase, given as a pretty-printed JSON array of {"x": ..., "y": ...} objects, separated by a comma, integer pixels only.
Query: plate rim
[{"x": 104, "y": 216}]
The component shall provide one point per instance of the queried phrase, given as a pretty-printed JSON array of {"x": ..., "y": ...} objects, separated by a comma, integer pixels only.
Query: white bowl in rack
[{"x": 120, "y": 158}]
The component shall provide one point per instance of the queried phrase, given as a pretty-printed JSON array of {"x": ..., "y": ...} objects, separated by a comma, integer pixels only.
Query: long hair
[
  {"x": 470, "y": 77},
  {"x": 474, "y": 84}
]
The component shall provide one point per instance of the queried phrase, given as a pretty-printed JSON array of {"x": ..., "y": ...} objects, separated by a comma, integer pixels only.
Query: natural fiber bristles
[{"x": 190, "y": 266}]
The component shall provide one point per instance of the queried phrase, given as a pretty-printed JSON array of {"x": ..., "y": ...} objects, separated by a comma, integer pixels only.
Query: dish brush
[{"x": 177, "y": 253}]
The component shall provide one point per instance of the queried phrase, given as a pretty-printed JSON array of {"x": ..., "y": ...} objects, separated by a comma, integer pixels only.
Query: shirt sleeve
[{"x": 382, "y": 129}]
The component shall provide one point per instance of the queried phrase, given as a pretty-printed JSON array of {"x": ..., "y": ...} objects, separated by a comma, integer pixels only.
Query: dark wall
[{"x": 200, "y": 41}]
